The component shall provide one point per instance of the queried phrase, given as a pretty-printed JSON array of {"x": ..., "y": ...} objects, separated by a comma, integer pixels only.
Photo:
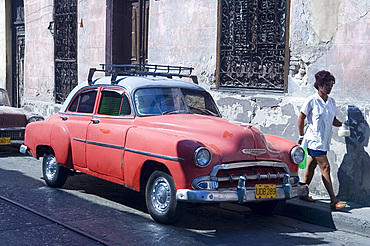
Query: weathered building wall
[
  {"x": 91, "y": 36},
  {"x": 184, "y": 33},
  {"x": 332, "y": 35},
  {"x": 5, "y": 46},
  {"x": 2, "y": 45},
  {"x": 39, "y": 54},
  {"x": 39, "y": 57}
]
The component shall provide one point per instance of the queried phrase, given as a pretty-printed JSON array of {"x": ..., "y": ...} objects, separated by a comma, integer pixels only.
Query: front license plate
[
  {"x": 264, "y": 191},
  {"x": 4, "y": 141}
]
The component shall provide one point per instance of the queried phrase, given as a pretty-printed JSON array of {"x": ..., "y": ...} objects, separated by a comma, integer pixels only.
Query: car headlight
[
  {"x": 202, "y": 157},
  {"x": 35, "y": 118},
  {"x": 297, "y": 154}
]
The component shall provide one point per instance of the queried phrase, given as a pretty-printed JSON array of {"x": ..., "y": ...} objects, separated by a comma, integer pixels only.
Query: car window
[
  {"x": 157, "y": 101},
  {"x": 200, "y": 102},
  {"x": 4, "y": 99},
  {"x": 114, "y": 103},
  {"x": 84, "y": 102}
]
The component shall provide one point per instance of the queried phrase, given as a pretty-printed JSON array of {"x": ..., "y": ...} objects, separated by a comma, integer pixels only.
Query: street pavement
[{"x": 354, "y": 219}]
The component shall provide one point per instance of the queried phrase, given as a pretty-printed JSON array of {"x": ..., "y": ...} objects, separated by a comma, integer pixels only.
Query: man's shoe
[{"x": 337, "y": 206}]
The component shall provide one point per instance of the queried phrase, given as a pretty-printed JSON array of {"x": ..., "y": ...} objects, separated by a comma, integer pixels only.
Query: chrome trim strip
[
  {"x": 20, "y": 128},
  {"x": 99, "y": 115},
  {"x": 77, "y": 114},
  {"x": 155, "y": 155},
  {"x": 165, "y": 157},
  {"x": 79, "y": 140},
  {"x": 120, "y": 117},
  {"x": 105, "y": 145}
]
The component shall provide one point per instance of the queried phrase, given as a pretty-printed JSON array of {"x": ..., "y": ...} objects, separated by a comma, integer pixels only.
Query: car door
[
  {"x": 77, "y": 118},
  {"x": 106, "y": 133}
]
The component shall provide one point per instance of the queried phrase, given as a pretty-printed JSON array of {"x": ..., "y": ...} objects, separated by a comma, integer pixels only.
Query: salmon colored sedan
[{"x": 165, "y": 137}]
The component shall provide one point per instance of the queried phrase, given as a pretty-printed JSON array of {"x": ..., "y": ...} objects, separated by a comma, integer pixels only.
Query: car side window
[
  {"x": 114, "y": 103},
  {"x": 83, "y": 103},
  {"x": 125, "y": 109},
  {"x": 4, "y": 99}
]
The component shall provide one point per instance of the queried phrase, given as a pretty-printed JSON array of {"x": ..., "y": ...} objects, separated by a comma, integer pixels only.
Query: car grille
[
  {"x": 13, "y": 134},
  {"x": 253, "y": 175}
]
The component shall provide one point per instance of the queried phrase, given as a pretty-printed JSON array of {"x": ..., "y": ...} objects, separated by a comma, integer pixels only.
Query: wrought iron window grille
[{"x": 252, "y": 45}]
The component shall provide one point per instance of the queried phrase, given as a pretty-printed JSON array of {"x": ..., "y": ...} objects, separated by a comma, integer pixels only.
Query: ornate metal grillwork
[
  {"x": 65, "y": 47},
  {"x": 18, "y": 52},
  {"x": 252, "y": 44}
]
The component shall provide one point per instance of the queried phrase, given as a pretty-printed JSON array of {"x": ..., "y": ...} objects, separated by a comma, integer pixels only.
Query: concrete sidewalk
[{"x": 353, "y": 218}]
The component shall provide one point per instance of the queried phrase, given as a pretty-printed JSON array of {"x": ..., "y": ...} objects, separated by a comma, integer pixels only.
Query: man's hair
[{"x": 322, "y": 77}]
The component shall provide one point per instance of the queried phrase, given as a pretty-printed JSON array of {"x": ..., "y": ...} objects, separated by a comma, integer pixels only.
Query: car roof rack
[{"x": 115, "y": 70}]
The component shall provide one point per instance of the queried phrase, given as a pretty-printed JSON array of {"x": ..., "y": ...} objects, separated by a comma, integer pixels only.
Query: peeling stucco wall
[
  {"x": 39, "y": 56},
  {"x": 91, "y": 18},
  {"x": 2, "y": 45}
]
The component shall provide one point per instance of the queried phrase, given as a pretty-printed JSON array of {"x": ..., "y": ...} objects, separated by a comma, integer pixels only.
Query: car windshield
[
  {"x": 4, "y": 99},
  {"x": 159, "y": 101}
]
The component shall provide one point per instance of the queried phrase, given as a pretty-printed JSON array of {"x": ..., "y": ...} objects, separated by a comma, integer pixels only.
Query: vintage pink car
[{"x": 164, "y": 137}]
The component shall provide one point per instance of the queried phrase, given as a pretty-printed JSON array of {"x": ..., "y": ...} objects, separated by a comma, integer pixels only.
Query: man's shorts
[{"x": 312, "y": 152}]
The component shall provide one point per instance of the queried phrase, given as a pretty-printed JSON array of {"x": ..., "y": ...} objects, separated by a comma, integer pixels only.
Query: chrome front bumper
[{"x": 241, "y": 194}]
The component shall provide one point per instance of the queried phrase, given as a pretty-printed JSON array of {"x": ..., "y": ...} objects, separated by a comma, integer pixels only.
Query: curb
[{"x": 354, "y": 218}]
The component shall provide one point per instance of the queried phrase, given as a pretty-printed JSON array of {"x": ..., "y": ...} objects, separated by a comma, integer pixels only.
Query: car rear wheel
[
  {"x": 267, "y": 207},
  {"x": 160, "y": 198},
  {"x": 54, "y": 174}
]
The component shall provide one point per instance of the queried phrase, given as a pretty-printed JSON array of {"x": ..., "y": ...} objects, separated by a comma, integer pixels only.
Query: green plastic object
[{"x": 303, "y": 164}]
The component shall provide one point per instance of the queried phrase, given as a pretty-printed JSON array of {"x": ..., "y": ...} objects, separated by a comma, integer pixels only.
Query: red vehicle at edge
[{"x": 164, "y": 137}]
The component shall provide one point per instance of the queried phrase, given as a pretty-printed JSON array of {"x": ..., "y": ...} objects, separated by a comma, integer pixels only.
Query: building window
[{"x": 252, "y": 44}]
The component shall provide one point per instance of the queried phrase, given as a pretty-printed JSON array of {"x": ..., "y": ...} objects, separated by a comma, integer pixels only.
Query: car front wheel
[
  {"x": 54, "y": 174},
  {"x": 160, "y": 197}
]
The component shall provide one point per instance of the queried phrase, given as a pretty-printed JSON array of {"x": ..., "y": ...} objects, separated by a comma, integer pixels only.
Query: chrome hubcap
[
  {"x": 51, "y": 167},
  {"x": 161, "y": 195}
]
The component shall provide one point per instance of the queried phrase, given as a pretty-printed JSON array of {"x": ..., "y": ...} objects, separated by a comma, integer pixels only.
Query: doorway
[{"x": 127, "y": 31}]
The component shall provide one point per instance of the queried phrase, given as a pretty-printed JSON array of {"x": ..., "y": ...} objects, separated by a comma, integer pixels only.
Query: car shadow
[
  {"x": 105, "y": 189},
  {"x": 228, "y": 217},
  {"x": 6, "y": 151},
  {"x": 118, "y": 224}
]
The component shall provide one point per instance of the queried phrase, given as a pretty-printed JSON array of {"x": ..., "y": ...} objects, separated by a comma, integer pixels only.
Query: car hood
[
  {"x": 231, "y": 141},
  {"x": 12, "y": 117}
]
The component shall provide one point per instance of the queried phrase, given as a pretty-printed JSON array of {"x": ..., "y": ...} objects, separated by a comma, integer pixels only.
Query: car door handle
[
  {"x": 63, "y": 117},
  {"x": 95, "y": 121}
]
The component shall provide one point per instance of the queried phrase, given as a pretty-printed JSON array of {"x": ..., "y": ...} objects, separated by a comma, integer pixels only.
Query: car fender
[
  {"x": 284, "y": 147},
  {"x": 37, "y": 134},
  {"x": 60, "y": 141},
  {"x": 172, "y": 151}
]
